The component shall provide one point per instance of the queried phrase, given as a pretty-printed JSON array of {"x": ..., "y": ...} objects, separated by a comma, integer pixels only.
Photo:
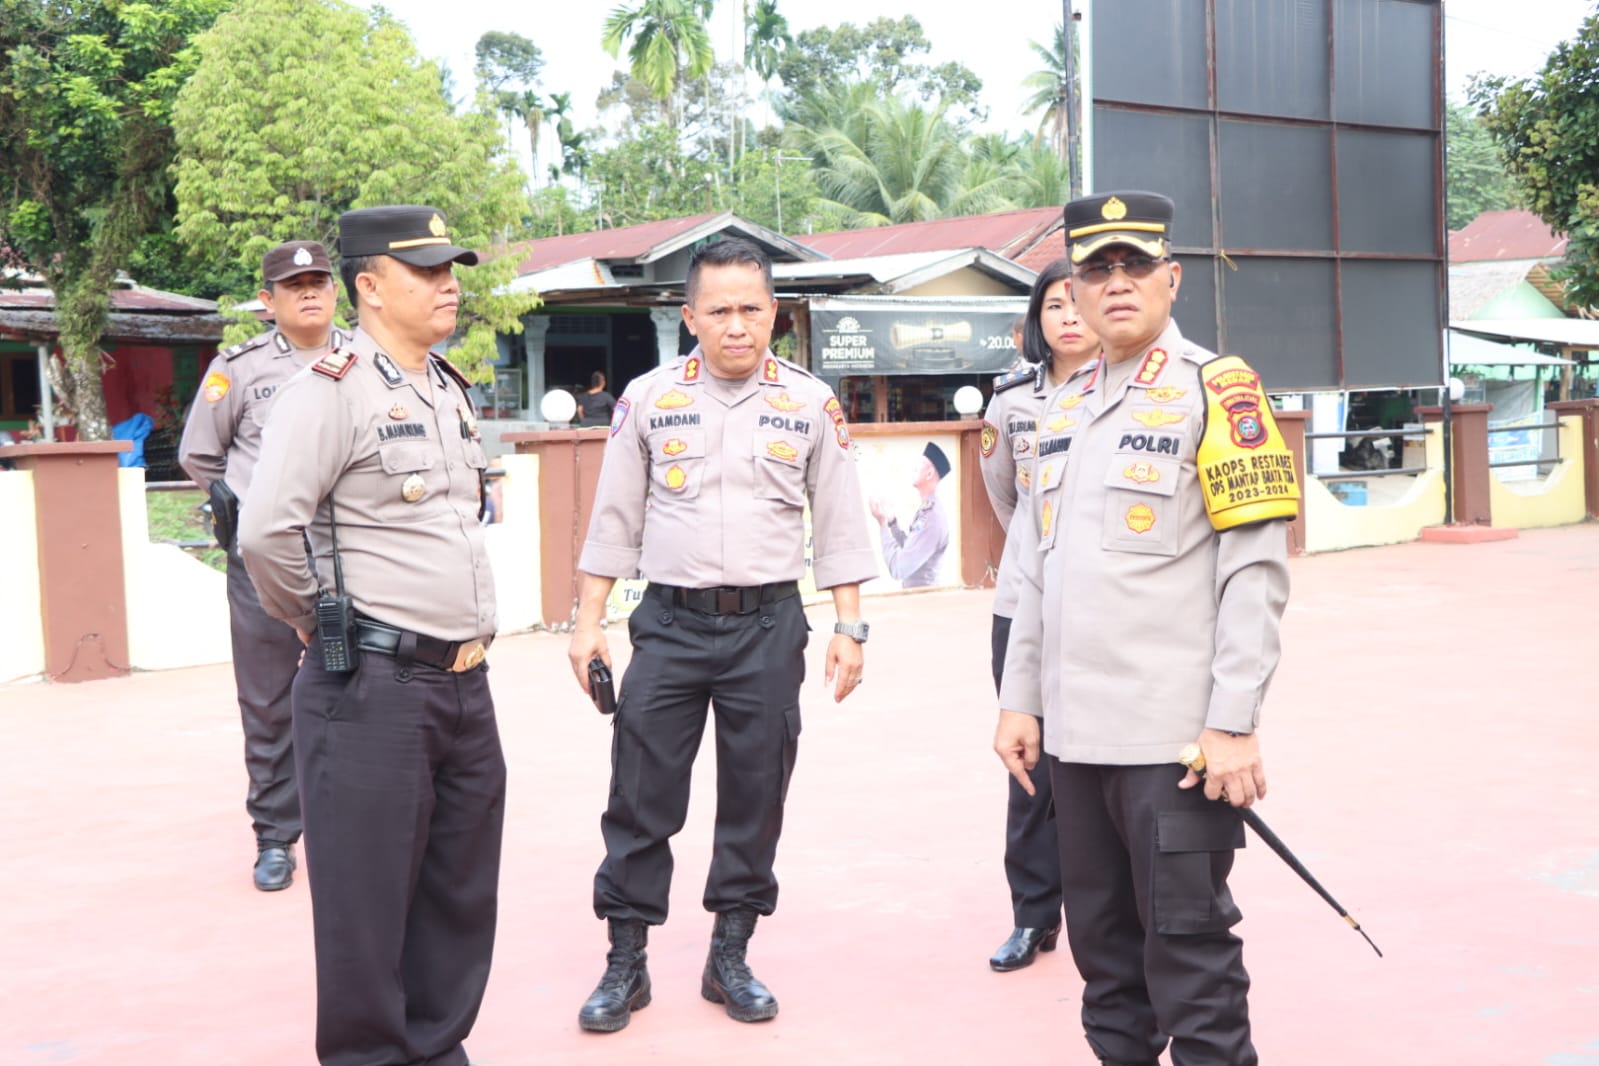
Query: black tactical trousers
[
  {"x": 1032, "y": 855},
  {"x": 1149, "y": 914},
  {"x": 266, "y": 654},
  {"x": 403, "y": 787},
  {"x": 748, "y": 667}
]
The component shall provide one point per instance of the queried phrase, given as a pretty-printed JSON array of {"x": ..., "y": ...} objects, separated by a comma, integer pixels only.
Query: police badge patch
[{"x": 990, "y": 438}]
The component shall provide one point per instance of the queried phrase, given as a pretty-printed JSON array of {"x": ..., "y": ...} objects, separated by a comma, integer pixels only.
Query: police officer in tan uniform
[
  {"x": 373, "y": 453},
  {"x": 221, "y": 442},
  {"x": 1152, "y": 582},
  {"x": 1055, "y": 343},
  {"x": 711, "y": 462},
  {"x": 914, "y": 555}
]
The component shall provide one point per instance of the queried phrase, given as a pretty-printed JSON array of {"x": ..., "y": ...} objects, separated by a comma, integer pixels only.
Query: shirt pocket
[
  {"x": 415, "y": 476},
  {"x": 1142, "y": 505},
  {"x": 1047, "y": 475},
  {"x": 780, "y": 461},
  {"x": 677, "y": 462}
]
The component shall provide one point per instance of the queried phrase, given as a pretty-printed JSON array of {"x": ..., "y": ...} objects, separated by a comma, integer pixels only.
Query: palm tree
[
  {"x": 668, "y": 40},
  {"x": 767, "y": 38},
  {"x": 882, "y": 160},
  {"x": 1048, "y": 87}
]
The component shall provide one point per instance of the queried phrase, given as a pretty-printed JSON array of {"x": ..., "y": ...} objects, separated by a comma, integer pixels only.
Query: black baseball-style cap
[
  {"x": 295, "y": 257},
  {"x": 410, "y": 233},
  {"x": 1140, "y": 220}
]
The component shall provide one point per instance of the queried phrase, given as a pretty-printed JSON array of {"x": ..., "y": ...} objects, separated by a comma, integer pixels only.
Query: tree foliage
[
  {"x": 300, "y": 110},
  {"x": 1474, "y": 173},
  {"x": 881, "y": 53},
  {"x": 85, "y": 92},
  {"x": 1548, "y": 129},
  {"x": 668, "y": 40}
]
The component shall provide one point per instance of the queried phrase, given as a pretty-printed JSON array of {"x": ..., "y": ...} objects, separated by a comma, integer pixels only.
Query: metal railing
[
  {"x": 1361, "y": 434},
  {"x": 1540, "y": 462}
]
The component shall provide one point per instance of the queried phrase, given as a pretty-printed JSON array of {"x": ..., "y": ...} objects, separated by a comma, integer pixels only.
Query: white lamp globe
[
  {"x": 558, "y": 406},
  {"x": 968, "y": 400}
]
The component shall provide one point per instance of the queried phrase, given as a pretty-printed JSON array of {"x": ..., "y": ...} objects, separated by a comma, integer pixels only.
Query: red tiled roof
[
  {"x": 1045, "y": 252},
  {"x": 141, "y": 300},
  {"x": 1004, "y": 232},
  {"x": 1498, "y": 235},
  {"x": 628, "y": 242}
]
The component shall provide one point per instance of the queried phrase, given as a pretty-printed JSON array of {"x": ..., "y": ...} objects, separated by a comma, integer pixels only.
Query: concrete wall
[
  {"x": 21, "y": 624},
  {"x": 177, "y": 605},
  {"x": 1331, "y": 525},
  {"x": 1553, "y": 500}
]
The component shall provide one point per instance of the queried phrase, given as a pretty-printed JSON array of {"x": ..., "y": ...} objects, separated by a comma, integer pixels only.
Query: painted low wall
[
  {"x": 177, "y": 605},
  {"x": 515, "y": 547},
  {"x": 21, "y": 621},
  {"x": 1557, "y": 499},
  {"x": 1332, "y": 525}
]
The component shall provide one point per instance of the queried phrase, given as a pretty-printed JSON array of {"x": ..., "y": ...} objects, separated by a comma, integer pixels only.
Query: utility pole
[{"x": 1074, "y": 168}]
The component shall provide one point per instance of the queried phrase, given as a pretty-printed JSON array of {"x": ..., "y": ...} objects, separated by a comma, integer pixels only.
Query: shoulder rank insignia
[
  {"x": 691, "y": 369},
  {"x": 769, "y": 371},
  {"x": 335, "y": 364},
  {"x": 249, "y": 345},
  {"x": 1246, "y": 470},
  {"x": 1012, "y": 378}
]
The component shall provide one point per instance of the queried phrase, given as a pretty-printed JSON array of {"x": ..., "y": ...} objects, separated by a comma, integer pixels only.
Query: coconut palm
[
  {"x": 668, "y": 40},
  {"x": 1048, "y": 87},
  {"x": 767, "y": 37}
]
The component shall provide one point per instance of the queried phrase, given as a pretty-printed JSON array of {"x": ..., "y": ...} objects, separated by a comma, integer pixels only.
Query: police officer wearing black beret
[{"x": 402, "y": 779}]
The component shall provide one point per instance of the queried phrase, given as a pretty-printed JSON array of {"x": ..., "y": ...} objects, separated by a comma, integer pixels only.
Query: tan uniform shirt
[
  {"x": 705, "y": 482},
  {"x": 400, "y": 455},
  {"x": 222, "y": 437},
  {"x": 1138, "y": 624},
  {"x": 1009, "y": 425}
]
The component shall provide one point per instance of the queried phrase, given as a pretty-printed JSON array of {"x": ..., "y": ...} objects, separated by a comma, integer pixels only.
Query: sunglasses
[{"x": 1137, "y": 267}]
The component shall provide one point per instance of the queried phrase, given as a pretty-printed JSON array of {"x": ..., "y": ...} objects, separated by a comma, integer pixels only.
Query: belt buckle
[
  {"x": 728, "y": 601},
  {"x": 468, "y": 655}
]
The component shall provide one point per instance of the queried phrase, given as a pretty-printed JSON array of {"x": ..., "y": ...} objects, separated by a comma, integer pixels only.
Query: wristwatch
[{"x": 855, "y": 631}]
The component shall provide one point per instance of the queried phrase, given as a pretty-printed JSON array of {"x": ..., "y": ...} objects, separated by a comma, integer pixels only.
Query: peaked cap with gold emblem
[
  {"x": 410, "y": 233},
  {"x": 1140, "y": 220}
]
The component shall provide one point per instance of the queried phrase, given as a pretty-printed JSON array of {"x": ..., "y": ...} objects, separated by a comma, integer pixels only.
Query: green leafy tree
[
  {"x": 1548, "y": 129},
  {"x": 85, "y": 93},
  {"x": 507, "y": 68},
  {"x": 262, "y": 160},
  {"x": 1474, "y": 173},
  {"x": 646, "y": 177},
  {"x": 668, "y": 40},
  {"x": 882, "y": 53},
  {"x": 767, "y": 38}
]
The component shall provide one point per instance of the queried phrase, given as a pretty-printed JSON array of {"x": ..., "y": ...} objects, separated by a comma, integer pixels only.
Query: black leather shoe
[
  {"x": 1023, "y": 947},
  {"x": 727, "y": 979},
  {"x": 625, "y": 986},
  {"x": 274, "y": 867}
]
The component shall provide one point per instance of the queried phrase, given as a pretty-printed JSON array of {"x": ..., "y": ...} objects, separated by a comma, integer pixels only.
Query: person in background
[
  {"x": 221, "y": 443},
  {"x": 594, "y": 405},
  {"x": 1056, "y": 342}
]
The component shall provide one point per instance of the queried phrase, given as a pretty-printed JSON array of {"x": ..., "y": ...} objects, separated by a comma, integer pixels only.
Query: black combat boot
[
  {"x": 727, "y": 977},
  {"x": 625, "y": 987}
]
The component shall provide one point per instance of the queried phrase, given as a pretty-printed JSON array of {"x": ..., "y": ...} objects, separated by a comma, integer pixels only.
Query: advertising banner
[{"x": 923, "y": 335}]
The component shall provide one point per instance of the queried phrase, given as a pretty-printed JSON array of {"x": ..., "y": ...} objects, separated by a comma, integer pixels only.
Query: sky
[{"x": 1509, "y": 37}]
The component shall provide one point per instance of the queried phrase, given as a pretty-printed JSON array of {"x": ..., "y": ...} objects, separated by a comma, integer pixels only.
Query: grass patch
[{"x": 176, "y": 516}]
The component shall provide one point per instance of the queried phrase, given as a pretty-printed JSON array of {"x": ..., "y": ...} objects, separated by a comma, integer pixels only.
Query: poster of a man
[{"x": 914, "y": 553}]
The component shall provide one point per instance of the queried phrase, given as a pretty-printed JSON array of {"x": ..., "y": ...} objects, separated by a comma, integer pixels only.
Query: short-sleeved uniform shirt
[{"x": 705, "y": 481}]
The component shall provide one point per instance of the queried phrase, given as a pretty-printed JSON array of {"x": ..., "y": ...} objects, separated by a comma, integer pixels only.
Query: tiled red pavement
[{"x": 1431, "y": 741}]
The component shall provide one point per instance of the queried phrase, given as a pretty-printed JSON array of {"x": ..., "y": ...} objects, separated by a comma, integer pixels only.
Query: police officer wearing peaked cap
[
  {"x": 711, "y": 462},
  {"x": 402, "y": 778},
  {"x": 221, "y": 442},
  {"x": 1151, "y": 587}
]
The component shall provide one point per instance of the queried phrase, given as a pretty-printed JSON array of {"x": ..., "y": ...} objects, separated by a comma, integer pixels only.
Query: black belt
[
  {"x": 451, "y": 655},
  {"x": 728, "y": 599}
]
